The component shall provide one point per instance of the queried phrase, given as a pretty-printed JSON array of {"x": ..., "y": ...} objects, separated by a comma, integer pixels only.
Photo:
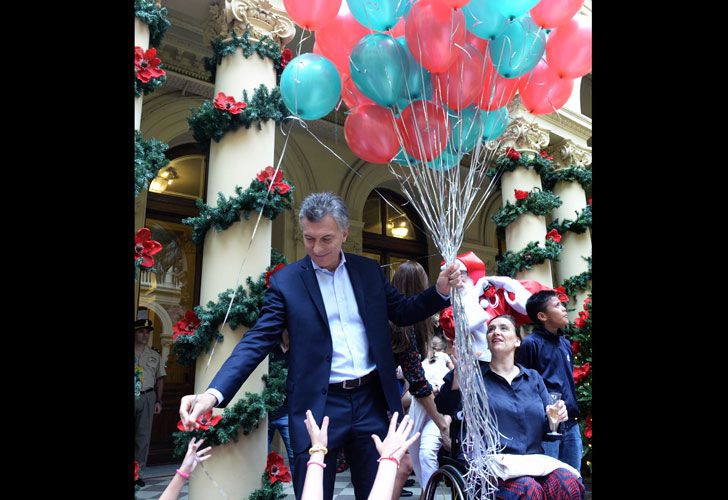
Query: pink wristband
[
  {"x": 323, "y": 466},
  {"x": 183, "y": 474},
  {"x": 389, "y": 458}
]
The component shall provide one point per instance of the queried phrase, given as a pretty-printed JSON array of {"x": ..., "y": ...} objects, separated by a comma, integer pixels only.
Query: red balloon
[
  {"x": 569, "y": 48},
  {"x": 312, "y": 14},
  {"x": 369, "y": 132},
  {"x": 351, "y": 95},
  {"x": 431, "y": 29},
  {"x": 338, "y": 37},
  {"x": 398, "y": 29},
  {"x": 497, "y": 91},
  {"x": 542, "y": 91},
  {"x": 462, "y": 83},
  {"x": 424, "y": 130},
  {"x": 554, "y": 13},
  {"x": 477, "y": 42}
]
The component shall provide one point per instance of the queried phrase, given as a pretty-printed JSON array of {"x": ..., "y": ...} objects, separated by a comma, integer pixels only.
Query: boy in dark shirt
[{"x": 548, "y": 352}]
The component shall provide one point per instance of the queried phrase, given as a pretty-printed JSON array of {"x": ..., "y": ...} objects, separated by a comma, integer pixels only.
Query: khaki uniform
[{"x": 151, "y": 362}]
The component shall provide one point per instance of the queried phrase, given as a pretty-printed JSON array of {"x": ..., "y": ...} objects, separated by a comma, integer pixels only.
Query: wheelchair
[{"x": 450, "y": 472}]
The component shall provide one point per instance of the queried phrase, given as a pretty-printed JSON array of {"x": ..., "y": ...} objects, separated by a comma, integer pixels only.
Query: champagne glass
[{"x": 553, "y": 413}]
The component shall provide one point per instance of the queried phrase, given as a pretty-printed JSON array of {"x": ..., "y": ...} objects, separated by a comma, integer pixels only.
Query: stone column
[
  {"x": 574, "y": 246},
  {"x": 525, "y": 137},
  {"x": 235, "y": 160}
]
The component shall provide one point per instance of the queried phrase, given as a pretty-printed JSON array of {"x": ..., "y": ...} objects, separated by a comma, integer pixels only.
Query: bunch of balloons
[{"x": 427, "y": 81}]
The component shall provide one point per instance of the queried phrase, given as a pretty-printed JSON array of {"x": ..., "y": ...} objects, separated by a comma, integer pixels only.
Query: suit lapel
[
  {"x": 308, "y": 275},
  {"x": 358, "y": 287}
]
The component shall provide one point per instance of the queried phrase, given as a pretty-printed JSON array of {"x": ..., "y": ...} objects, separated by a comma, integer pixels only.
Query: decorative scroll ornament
[
  {"x": 259, "y": 17},
  {"x": 568, "y": 153},
  {"x": 522, "y": 134}
]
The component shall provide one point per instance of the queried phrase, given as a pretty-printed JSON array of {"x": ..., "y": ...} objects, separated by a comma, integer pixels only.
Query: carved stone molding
[
  {"x": 259, "y": 17},
  {"x": 524, "y": 135},
  {"x": 567, "y": 153}
]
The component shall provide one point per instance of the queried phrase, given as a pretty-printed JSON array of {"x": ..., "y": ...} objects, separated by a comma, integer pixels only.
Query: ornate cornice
[
  {"x": 259, "y": 17},
  {"x": 567, "y": 153},
  {"x": 522, "y": 134}
]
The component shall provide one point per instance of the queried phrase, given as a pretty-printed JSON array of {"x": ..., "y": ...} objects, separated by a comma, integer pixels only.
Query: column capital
[
  {"x": 259, "y": 18},
  {"x": 567, "y": 153},
  {"x": 523, "y": 133}
]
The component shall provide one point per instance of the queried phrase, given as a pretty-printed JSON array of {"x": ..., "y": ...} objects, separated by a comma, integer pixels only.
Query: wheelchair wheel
[{"x": 445, "y": 482}]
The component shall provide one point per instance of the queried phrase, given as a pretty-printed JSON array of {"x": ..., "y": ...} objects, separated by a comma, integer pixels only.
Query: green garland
[
  {"x": 244, "y": 311},
  {"x": 245, "y": 414},
  {"x": 514, "y": 262},
  {"x": 537, "y": 202},
  {"x": 210, "y": 123},
  {"x": 265, "y": 48},
  {"x": 141, "y": 88},
  {"x": 584, "y": 387},
  {"x": 148, "y": 159},
  {"x": 578, "y": 226},
  {"x": 551, "y": 176},
  {"x": 155, "y": 16},
  {"x": 228, "y": 211},
  {"x": 268, "y": 491},
  {"x": 526, "y": 159}
]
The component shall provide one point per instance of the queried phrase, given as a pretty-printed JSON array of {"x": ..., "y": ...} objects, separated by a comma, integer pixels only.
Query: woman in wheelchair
[{"x": 519, "y": 399}]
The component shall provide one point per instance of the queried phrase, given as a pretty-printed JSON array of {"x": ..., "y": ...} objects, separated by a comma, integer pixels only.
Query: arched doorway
[{"x": 392, "y": 236}]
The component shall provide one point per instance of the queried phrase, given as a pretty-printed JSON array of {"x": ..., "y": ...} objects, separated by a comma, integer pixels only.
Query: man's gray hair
[{"x": 316, "y": 206}]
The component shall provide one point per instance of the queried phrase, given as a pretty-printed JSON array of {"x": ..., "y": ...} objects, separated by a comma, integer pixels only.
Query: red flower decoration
[
  {"x": 575, "y": 346},
  {"x": 520, "y": 195},
  {"x": 145, "y": 247},
  {"x": 186, "y": 326},
  {"x": 206, "y": 421},
  {"x": 276, "y": 470},
  {"x": 136, "y": 470},
  {"x": 581, "y": 320},
  {"x": 562, "y": 293},
  {"x": 588, "y": 201},
  {"x": 513, "y": 154},
  {"x": 588, "y": 427},
  {"x": 553, "y": 235},
  {"x": 266, "y": 176},
  {"x": 545, "y": 154},
  {"x": 270, "y": 273},
  {"x": 587, "y": 301},
  {"x": 229, "y": 104},
  {"x": 581, "y": 372},
  {"x": 146, "y": 64},
  {"x": 286, "y": 56}
]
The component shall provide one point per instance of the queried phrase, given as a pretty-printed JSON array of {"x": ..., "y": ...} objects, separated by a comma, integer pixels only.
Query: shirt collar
[
  {"x": 485, "y": 368},
  {"x": 316, "y": 267},
  {"x": 548, "y": 335}
]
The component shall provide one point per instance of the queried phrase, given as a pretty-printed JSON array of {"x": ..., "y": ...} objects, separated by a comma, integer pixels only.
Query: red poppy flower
[
  {"x": 286, "y": 56},
  {"x": 266, "y": 175},
  {"x": 545, "y": 154},
  {"x": 146, "y": 64},
  {"x": 520, "y": 195},
  {"x": 276, "y": 470},
  {"x": 186, "y": 326},
  {"x": 136, "y": 470},
  {"x": 587, "y": 301},
  {"x": 229, "y": 104},
  {"x": 581, "y": 320},
  {"x": 270, "y": 273},
  {"x": 581, "y": 372},
  {"x": 145, "y": 247},
  {"x": 575, "y": 346},
  {"x": 561, "y": 291},
  {"x": 513, "y": 154},
  {"x": 206, "y": 421},
  {"x": 588, "y": 201},
  {"x": 553, "y": 235},
  {"x": 281, "y": 187},
  {"x": 588, "y": 427}
]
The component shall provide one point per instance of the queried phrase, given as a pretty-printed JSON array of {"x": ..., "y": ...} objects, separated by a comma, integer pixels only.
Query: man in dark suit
[{"x": 336, "y": 308}]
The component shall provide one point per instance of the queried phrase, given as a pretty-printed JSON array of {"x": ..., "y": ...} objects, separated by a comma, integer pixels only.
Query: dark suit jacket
[{"x": 294, "y": 301}]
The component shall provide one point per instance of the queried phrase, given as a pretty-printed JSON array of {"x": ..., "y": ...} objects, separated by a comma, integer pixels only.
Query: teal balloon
[
  {"x": 466, "y": 129},
  {"x": 377, "y": 66},
  {"x": 380, "y": 15},
  {"x": 518, "y": 49},
  {"x": 494, "y": 123},
  {"x": 418, "y": 81},
  {"x": 513, "y": 8},
  {"x": 445, "y": 161},
  {"x": 310, "y": 86},
  {"x": 483, "y": 19},
  {"x": 401, "y": 157}
]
